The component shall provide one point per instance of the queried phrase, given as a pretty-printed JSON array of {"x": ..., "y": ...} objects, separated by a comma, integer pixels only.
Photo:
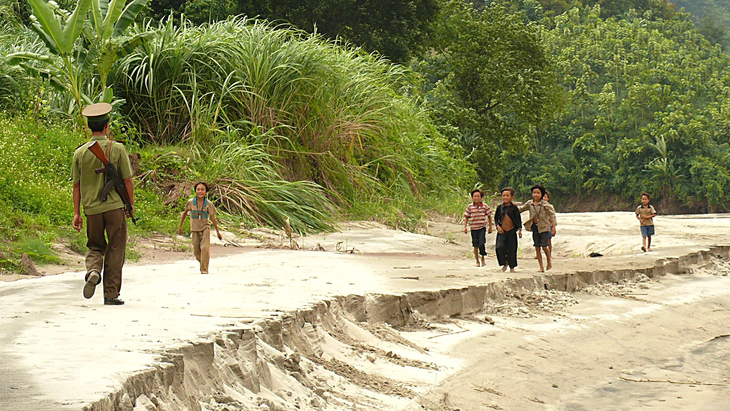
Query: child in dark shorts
[
  {"x": 542, "y": 223},
  {"x": 645, "y": 213},
  {"x": 476, "y": 216}
]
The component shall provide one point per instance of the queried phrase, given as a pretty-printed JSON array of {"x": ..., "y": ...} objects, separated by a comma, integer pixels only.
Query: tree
[
  {"x": 713, "y": 31},
  {"x": 647, "y": 100},
  {"x": 491, "y": 79},
  {"x": 397, "y": 29},
  {"x": 663, "y": 172}
]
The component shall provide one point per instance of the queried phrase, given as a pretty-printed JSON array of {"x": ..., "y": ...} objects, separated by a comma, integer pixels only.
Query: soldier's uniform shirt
[{"x": 91, "y": 184}]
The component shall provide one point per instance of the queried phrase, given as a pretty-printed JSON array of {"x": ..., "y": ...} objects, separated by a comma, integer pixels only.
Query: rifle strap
[{"x": 109, "y": 149}]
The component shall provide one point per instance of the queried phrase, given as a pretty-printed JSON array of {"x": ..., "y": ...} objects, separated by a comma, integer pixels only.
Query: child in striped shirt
[{"x": 476, "y": 216}]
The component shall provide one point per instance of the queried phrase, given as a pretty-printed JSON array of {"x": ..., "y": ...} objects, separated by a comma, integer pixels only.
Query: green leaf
[
  {"x": 74, "y": 25},
  {"x": 104, "y": 6},
  {"x": 97, "y": 18},
  {"x": 115, "y": 10},
  {"x": 106, "y": 58},
  {"x": 45, "y": 37},
  {"x": 86, "y": 99},
  {"x": 17, "y": 58},
  {"x": 46, "y": 25},
  {"x": 108, "y": 95},
  {"x": 128, "y": 46},
  {"x": 129, "y": 15}
]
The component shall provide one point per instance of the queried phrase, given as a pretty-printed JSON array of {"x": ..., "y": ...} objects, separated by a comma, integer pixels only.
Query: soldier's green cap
[{"x": 97, "y": 113}]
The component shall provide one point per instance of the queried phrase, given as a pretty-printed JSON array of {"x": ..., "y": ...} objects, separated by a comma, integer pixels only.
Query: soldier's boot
[{"x": 92, "y": 280}]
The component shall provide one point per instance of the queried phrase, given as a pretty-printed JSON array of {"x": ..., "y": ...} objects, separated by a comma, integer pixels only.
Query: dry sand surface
[{"x": 270, "y": 334}]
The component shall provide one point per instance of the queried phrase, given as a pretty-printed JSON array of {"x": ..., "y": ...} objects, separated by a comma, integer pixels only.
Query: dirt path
[{"x": 69, "y": 352}]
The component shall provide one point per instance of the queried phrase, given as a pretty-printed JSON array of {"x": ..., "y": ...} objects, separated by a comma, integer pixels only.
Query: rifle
[{"x": 114, "y": 180}]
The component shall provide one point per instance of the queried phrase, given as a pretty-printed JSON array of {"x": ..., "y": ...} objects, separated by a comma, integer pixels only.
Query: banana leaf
[{"x": 128, "y": 16}]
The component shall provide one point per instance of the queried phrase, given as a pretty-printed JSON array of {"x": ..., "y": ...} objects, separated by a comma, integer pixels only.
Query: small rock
[
  {"x": 319, "y": 391},
  {"x": 295, "y": 357},
  {"x": 142, "y": 403},
  {"x": 489, "y": 319},
  {"x": 155, "y": 400},
  {"x": 370, "y": 357},
  {"x": 316, "y": 402},
  {"x": 29, "y": 266},
  {"x": 125, "y": 404}
]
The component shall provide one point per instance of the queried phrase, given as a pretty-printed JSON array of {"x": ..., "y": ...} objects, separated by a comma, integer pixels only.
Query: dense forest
[{"x": 319, "y": 110}]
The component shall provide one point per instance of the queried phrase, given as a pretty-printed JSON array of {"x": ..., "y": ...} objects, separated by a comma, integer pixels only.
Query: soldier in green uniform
[{"x": 106, "y": 253}]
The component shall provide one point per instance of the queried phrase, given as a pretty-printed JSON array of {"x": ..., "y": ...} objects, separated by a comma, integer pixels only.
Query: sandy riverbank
[{"x": 63, "y": 350}]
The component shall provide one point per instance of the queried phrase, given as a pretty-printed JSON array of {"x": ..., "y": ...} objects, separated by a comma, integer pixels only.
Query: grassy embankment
[{"x": 284, "y": 125}]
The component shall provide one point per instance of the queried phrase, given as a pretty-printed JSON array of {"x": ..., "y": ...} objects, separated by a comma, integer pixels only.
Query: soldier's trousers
[
  {"x": 201, "y": 248},
  {"x": 106, "y": 252}
]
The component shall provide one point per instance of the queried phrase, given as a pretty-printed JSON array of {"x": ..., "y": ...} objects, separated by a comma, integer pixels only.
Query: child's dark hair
[
  {"x": 476, "y": 190},
  {"x": 539, "y": 187},
  {"x": 201, "y": 183},
  {"x": 510, "y": 189},
  {"x": 646, "y": 194}
]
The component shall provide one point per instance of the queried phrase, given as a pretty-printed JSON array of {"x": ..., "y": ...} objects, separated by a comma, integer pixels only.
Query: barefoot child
[
  {"x": 542, "y": 217},
  {"x": 645, "y": 213},
  {"x": 476, "y": 215},
  {"x": 509, "y": 222},
  {"x": 201, "y": 210}
]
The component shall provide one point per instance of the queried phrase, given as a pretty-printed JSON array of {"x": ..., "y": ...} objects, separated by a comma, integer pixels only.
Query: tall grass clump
[
  {"x": 315, "y": 110},
  {"x": 247, "y": 184},
  {"x": 14, "y": 84}
]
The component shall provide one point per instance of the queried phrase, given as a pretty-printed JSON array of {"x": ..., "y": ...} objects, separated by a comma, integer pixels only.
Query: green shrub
[
  {"x": 323, "y": 113},
  {"x": 38, "y": 251}
]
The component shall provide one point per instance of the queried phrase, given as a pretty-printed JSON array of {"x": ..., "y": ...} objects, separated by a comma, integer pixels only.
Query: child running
[
  {"x": 476, "y": 216},
  {"x": 645, "y": 213},
  {"x": 542, "y": 218},
  {"x": 202, "y": 211},
  {"x": 508, "y": 220}
]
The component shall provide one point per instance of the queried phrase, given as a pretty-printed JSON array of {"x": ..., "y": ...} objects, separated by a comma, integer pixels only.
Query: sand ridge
[{"x": 73, "y": 351}]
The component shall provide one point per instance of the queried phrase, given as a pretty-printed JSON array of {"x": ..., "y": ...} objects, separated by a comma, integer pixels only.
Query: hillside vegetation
[{"x": 388, "y": 119}]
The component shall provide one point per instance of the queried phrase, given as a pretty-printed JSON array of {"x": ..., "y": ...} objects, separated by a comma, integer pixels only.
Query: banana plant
[
  {"x": 68, "y": 65},
  {"x": 60, "y": 31},
  {"x": 106, "y": 34}
]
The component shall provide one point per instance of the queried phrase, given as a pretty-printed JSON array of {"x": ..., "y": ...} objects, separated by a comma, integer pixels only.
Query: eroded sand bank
[{"x": 261, "y": 340}]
